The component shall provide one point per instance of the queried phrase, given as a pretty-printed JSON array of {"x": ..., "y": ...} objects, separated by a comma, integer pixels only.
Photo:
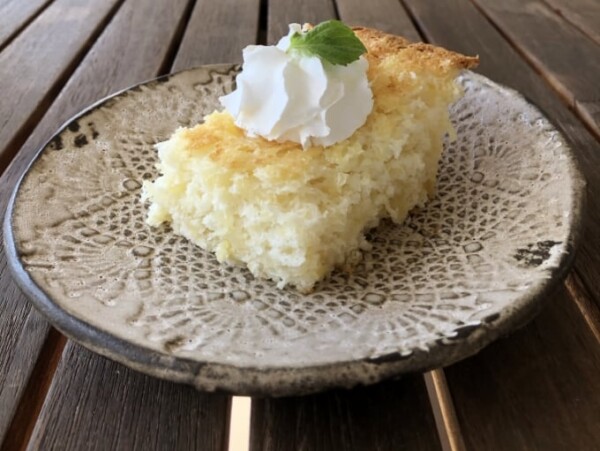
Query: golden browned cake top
[
  {"x": 389, "y": 58},
  {"x": 419, "y": 55}
]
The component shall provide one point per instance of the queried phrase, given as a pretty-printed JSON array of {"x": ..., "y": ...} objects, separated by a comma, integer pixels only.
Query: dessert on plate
[{"x": 326, "y": 134}]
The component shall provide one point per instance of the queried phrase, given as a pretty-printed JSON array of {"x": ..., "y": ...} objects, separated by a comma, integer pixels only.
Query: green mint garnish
[{"x": 331, "y": 41}]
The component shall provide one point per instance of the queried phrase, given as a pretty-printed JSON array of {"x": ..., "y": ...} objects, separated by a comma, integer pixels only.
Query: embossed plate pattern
[{"x": 471, "y": 265}]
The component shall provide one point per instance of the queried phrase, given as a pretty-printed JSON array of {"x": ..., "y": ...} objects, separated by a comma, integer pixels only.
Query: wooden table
[{"x": 537, "y": 389}]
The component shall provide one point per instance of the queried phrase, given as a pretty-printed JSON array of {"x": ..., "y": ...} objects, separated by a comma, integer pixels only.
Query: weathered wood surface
[
  {"x": 15, "y": 15},
  {"x": 283, "y": 12},
  {"x": 386, "y": 15},
  {"x": 32, "y": 390},
  {"x": 568, "y": 60},
  {"x": 97, "y": 404},
  {"x": 537, "y": 389},
  {"x": 37, "y": 63},
  {"x": 394, "y": 415},
  {"x": 584, "y": 14},
  {"x": 22, "y": 336},
  {"x": 23, "y": 331},
  {"x": 217, "y": 32}
]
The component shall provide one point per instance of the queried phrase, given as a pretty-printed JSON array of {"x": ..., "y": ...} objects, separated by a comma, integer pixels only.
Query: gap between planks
[
  {"x": 263, "y": 23},
  {"x": 22, "y": 425},
  {"x": 11, "y": 37},
  {"x": 413, "y": 19},
  {"x": 444, "y": 413},
  {"x": 586, "y": 119},
  {"x": 239, "y": 423},
  {"x": 167, "y": 65}
]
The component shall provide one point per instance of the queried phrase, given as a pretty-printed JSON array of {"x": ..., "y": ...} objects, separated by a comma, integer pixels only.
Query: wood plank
[
  {"x": 23, "y": 331},
  {"x": 217, "y": 32},
  {"x": 34, "y": 394},
  {"x": 564, "y": 56},
  {"x": 392, "y": 415},
  {"x": 281, "y": 13},
  {"x": 15, "y": 14},
  {"x": 584, "y": 14},
  {"x": 22, "y": 336},
  {"x": 385, "y": 15},
  {"x": 104, "y": 70},
  {"x": 35, "y": 65},
  {"x": 458, "y": 25},
  {"x": 537, "y": 389},
  {"x": 97, "y": 404}
]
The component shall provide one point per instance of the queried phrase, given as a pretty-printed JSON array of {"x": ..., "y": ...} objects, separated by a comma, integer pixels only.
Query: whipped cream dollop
[{"x": 288, "y": 96}]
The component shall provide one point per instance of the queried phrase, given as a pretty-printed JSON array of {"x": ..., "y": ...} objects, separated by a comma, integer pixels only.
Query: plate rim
[{"x": 293, "y": 380}]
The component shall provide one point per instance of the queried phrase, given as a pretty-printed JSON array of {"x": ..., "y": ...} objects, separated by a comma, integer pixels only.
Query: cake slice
[{"x": 293, "y": 215}]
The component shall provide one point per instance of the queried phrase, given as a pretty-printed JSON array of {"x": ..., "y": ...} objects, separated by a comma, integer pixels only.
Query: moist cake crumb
[{"x": 293, "y": 215}]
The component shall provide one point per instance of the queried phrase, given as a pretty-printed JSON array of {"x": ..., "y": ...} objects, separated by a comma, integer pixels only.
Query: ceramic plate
[{"x": 474, "y": 264}]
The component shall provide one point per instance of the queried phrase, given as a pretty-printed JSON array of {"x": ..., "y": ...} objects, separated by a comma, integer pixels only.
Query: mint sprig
[{"x": 331, "y": 41}]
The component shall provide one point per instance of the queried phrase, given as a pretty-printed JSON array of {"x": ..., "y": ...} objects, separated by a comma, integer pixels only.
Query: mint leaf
[{"x": 331, "y": 41}]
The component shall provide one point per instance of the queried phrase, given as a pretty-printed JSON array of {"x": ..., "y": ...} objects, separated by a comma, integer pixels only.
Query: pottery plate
[{"x": 475, "y": 263}]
